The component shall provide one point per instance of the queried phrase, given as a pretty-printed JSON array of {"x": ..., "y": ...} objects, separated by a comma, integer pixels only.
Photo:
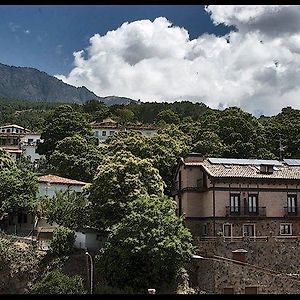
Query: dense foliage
[
  {"x": 150, "y": 245},
  {"x": 62, "y": 242},
  {"x": 56, "y": 282},
  {"x": 68, "y": 209},
  {"x": 121, "y": 178},
  {"x": 18, "y": 186}
]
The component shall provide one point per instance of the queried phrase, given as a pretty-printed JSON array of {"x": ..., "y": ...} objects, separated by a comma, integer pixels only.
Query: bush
[
  {"x": 62, "y": 241},
  {"x": 56, "y": 282}
]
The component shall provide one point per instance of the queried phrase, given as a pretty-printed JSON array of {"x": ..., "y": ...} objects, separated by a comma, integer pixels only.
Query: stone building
[
  {"x": 234, "y": 204},
  {"x": 238, "y": 197}
]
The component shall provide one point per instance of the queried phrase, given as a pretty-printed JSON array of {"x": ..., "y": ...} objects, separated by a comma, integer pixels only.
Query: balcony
[
  {"x": 291, "y": 211},
  {"x": 259, "y": 211},
  {"x": 176, "y": 190}
]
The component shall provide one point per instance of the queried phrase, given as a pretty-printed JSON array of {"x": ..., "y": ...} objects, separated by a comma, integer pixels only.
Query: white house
[
  {"x": 29, "y": 143},
  {"x": 17, "y": 140},
  {"x": 49, "y": 184},
  {"x": 109, "y": 127},
  {"x": 88, "y": 238}
]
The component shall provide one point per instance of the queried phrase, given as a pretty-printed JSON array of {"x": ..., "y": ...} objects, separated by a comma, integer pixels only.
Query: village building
[
  {"x": 17, "y": 140},
  {"x": 108, "y": 127},
  {"x": 249, "y": 204}
]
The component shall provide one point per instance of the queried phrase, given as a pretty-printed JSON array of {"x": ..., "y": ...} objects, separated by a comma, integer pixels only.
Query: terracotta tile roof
[
  {"x": 246, "y": 171},
  {"x": 59, "y": 180}
]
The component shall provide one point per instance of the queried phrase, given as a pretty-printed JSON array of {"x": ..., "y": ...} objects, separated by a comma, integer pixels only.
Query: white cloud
[{"x": 258, "y": 70}]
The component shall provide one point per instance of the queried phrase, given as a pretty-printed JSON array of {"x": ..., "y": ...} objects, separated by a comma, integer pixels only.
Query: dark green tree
[
  {"x": 147, "y": 248},
  {"x": 69, "y": 209},
  {"x": 63, "y": 122},
  {"x": 74, "y": 157},
  {"x": 121, "y": 178},
  {"x": 55, "y": 282},
  {"x": 62, "y": 242}
]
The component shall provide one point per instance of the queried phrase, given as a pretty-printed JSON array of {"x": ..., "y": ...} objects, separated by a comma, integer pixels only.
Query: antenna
[{"x": 281, "y": 148}]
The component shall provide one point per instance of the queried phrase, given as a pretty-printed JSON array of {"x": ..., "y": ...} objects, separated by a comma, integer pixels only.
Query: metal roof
[
  {"x": 240, "y": 161},
  {"x": 292, "y": 162}
]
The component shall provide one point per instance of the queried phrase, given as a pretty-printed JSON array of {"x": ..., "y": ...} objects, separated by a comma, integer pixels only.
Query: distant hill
[{"x": 32, "y": 84}]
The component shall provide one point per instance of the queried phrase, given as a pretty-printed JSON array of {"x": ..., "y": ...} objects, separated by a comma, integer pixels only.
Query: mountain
[{"x": 32, "y": 84}]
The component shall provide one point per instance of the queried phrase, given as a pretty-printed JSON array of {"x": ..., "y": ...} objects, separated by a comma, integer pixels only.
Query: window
[
  {"x": 111, "y": 133},
  {"x": 200, "y": 182},
  {"x": 286, "y": 229},
  {"x": 96, "y": 133},
  {"x": 251, "y": 290},
  {"x": 248, "y": 230},
  {"x": 3, "y": 130},
  {"x": 292, "y": 204},
  {"x": 228, "y": 290},
  {"x": 204, "y": 229},
  {"x": 8, "y": 130},
  {"x": 103, "y": 133},
  {"x": 227, "y": 230},
  {"x": 22, "y": 218},
  {"x": 252, "y": 204},
  {"x": 234, "y": 203},
  {"x": 30, "y": 141}
]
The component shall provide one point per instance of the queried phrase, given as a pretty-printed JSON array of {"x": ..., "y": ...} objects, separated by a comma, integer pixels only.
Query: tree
[
  {"x": 74, "y": 157},
  {"x": 121, "y": 178},
  {"x": 124, "y": 115},
  {"x": 69, "y": 209},
  {"x": 55, "y": 282},
  {"x": 96, "y": 109},
  {"x": 62, "y": 242},
  {"x": 169, "y": 116},
  {"x": 147, "y": 248},
  {"x": 162, "y": 150},
  {"x": 18, "y": 187},
  {"x": 61, "y": 123}
]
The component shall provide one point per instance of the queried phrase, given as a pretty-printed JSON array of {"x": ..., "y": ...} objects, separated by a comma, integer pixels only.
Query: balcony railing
[
  {"x": 291, "y": 211},
  {"x": 245, "y": 211},
  {"x": 176, "y": 189}
]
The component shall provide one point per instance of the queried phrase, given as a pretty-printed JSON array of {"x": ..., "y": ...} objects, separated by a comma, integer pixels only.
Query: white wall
[
  {"x": 49, "y": 190},
  {"x": 79, "y": 240}
]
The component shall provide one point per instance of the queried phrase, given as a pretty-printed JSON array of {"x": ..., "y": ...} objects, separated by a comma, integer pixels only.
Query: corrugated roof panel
[{"x": 292, "y": 162}]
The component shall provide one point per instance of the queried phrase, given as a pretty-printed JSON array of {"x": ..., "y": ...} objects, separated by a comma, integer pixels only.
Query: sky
[{"x": 222, "y": 55}]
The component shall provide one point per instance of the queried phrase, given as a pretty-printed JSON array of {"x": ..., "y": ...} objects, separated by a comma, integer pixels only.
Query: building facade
[
  {"x": 109, "y": 127},
  {"x": 235, "y": 198},
  {"x": 17, "y": 140}
]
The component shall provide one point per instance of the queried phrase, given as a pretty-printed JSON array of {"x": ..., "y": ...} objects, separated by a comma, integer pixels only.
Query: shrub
[
  {"x": 56, "y": 282},
  {"x": 62, "y": 241}
]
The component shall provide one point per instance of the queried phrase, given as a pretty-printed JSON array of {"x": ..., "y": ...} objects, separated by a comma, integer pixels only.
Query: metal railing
[{"x": 245, "y": 211}]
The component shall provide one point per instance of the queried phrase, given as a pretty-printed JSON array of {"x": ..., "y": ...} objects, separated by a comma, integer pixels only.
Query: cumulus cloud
[{"x": 256, "y": 67}]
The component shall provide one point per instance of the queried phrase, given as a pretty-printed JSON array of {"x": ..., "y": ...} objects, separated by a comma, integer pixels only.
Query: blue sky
[
  {"x": 222, "y": 55},
  {"x": 45, "y": 36}
]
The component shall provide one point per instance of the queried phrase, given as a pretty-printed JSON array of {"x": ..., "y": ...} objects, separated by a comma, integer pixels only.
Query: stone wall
[
  {"x": 275, "y": 254},
  {"x": 215, "y": 275}
]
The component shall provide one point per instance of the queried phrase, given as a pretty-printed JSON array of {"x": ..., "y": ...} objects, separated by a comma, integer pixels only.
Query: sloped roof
[
  {"x": 53, "y": 179},
  {"x": 245, "y": 171}
]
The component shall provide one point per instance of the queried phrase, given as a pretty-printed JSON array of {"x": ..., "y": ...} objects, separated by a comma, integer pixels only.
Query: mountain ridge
[{"x": 29, "y": 83}]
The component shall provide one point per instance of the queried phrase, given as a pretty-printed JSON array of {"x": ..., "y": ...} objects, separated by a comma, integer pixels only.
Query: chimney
[
  {"x": 194, "y": 157},
  {"x": 239, "y": 255}
]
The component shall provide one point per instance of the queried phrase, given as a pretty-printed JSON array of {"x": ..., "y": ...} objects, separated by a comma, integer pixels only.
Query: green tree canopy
[
  {"x": 168, "y": 116},
  {"x": 55, "y": 282},
  {"x": 147, "y": 248},
  {"x": 62, "y": 242},
  {"x": 63, "y": 122},
  {"x": 18, "y": 186},
  {"x": 69, "y": 209},
  {"x": 75, "y": 157},
  {"x": 121, "y": 178}
]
